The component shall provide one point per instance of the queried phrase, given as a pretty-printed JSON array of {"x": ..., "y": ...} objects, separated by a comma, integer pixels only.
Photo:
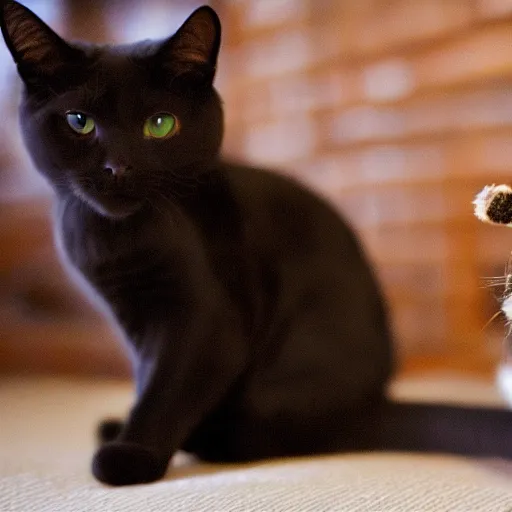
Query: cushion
[{"x": 46, "y": 443}]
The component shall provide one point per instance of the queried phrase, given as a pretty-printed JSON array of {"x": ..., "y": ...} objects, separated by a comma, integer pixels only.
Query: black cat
[{"x": 255, "y": 325}]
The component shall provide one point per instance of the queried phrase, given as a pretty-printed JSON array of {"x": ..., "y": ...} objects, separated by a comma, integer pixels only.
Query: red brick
[
  {"x": 460, "y": 112},
  {"x": 306, "y": 92},
  {"x": 387, "y": 80},
  {"x": 420, "y": 328},
  {"x": 409, "y": 245},
  {"x": 488, "y": 156},
  {"x": 282, "y": 141},
  {"x": 434, "y": 115},
  {"x": 421, "y": 163},
  {"x": 367, "y": 123},
  {"x": 483, "y": 55},
  {"x": 397, "y": 206},
  {"x": 493, "y": 248},
  {"x": 278, "y": 54},
  {"x": 494, "y": 8},
  {"x": 266, "y": 13},
  {"x": 398, "y": 23},
  {"x": 417, "y": 281}
]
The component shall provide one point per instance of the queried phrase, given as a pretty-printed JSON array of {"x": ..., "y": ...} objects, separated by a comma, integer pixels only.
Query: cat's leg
[
  {"x": 108, "y": 430},
  {"x": 318, "y": 393},
  {"x": 184, "y": 382}
]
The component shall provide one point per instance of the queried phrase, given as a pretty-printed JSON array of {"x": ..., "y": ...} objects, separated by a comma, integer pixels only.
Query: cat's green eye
[
  {"x": 160, "y": 126},
  {"x": 80, "y": 123}
]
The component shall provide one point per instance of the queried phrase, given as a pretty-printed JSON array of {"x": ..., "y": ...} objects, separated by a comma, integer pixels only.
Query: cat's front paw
[
  {"x": 119, "y": 463},
  {"x": 108, "y": 430}
]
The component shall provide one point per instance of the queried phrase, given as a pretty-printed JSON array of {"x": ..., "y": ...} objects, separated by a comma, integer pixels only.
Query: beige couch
[{"x": 46, "y": 436}]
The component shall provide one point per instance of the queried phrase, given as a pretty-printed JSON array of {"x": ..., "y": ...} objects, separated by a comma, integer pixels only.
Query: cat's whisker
[
  {"x": 492, "y": 285},
  {"x": 491, "y": 320},
  {"x": 154, "y": 205},
  {"x": 497, "y": 284},
  {"x": 496, "y": 278},
  {"x": 168, "y": 201}
]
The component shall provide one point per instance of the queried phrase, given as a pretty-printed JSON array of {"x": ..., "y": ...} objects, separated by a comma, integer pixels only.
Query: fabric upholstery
[{"x": 46, "y": 442}]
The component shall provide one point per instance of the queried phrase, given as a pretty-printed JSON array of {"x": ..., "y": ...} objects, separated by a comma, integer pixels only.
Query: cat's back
[
  {"x": 259, "y": 185},
  {"x": 282, "y": 213}
]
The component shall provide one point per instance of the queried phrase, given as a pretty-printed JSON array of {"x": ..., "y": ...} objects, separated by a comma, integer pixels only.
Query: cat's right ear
[
  {"x": 190, "y": 55},
  {"x": 39, "y": 53}
]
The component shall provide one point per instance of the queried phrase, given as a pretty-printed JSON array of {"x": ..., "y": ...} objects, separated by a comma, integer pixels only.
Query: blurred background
[{"x": 397, "y": 111}]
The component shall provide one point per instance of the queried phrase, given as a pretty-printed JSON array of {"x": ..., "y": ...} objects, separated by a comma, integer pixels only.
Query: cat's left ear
[
  {"x": 191, "y": 53},
  {"x": 40, "y": 54}
]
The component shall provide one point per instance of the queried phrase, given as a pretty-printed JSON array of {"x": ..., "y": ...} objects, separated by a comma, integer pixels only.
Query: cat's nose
[{"x": 117, "y": 170}]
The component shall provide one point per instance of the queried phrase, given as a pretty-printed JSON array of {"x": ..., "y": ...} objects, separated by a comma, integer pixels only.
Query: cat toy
[{"x": 494, "y": 206}]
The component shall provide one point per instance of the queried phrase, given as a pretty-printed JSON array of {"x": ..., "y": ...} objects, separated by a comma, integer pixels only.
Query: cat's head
[{"x": 117, "y": 126}]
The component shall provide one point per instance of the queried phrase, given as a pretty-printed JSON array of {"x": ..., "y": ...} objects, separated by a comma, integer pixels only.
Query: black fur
[{"x": 255, "y": 324}]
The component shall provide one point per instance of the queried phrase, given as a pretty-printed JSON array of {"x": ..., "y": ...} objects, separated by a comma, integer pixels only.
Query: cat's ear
[
  {"x": 38, "y": 51},
  {"x": 191, "y": 53}
]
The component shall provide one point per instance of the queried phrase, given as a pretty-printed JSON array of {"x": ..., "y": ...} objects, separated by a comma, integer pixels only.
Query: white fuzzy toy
[{"x": 494, "y": 205}]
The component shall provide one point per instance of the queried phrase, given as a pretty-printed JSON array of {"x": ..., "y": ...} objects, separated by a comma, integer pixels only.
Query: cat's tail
[{"x": 461, "y": 430}]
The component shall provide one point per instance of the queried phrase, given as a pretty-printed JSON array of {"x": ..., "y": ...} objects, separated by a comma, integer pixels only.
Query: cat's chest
[
  {"x": 110, "y": 254},
  {"x": 88, "y": 244}
]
